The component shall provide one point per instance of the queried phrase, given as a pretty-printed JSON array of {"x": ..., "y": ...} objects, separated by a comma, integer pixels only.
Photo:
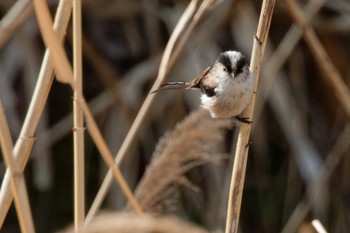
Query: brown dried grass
[
  {"x": 132, "y": 223},
  {"x": 196, "y": 140}
]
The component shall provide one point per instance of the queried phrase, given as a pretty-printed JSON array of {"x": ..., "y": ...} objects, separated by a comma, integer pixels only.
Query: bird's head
[{"x": 231, "y": 65}]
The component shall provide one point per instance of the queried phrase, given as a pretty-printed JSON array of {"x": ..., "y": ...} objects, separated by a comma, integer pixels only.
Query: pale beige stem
[
  {"x": 78, "y": 132},
  {"x": 201, "y": 10},
  {"x": 25, "y": 141},
  {"x": 240, "y": 161},
  {"x": 65, "y": 71},
  {"x": 17, "y": 181}
]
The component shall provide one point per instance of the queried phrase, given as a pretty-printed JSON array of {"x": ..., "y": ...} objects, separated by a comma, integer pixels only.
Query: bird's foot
[{"x": 244, "y": 119}]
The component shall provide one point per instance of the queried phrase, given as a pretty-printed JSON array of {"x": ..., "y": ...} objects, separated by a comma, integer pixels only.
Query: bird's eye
[{"x": 225, "y": 69}]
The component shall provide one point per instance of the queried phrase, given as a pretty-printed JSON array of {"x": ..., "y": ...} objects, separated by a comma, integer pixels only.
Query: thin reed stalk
[
  {"x": 163, "y": 69},
  {"x": 78, "y": 132},
  {"x": 18, "y": 185},
  {"x": 64, "y": 68},
  {"x": 26, "y": 139},
  {"x": 201, "y": 10},
  {"x": 332, "y": 75},
  {"x": 241, "y": 155}
]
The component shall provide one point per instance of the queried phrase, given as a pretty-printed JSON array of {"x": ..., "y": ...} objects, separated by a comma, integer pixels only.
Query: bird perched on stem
[{"x": 227, "y": 86}]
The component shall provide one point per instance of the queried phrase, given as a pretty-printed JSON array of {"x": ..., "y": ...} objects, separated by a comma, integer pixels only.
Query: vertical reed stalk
[
  {"x": 78, "y": 132},
  {"x": 25, "y": 141},
  {"x": 240, "y": 161},
  {"x": 18, "y": 185},
  {"x": 65, "y": 72}
]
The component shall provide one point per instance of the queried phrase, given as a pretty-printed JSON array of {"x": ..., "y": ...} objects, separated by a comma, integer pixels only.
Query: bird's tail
[{"x": 172, "y": 85}]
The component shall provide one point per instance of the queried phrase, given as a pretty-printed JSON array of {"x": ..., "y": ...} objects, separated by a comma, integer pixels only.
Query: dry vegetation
[{"x": 174, "y": 157}]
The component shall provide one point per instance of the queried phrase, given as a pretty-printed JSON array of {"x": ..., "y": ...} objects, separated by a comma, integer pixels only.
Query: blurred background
[{"x": 298, "y": 163}]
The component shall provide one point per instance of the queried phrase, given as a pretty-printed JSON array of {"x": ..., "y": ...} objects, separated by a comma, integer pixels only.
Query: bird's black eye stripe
[
  {"x": 240, "y": 64},
  {"x": 226, "y": 62}
]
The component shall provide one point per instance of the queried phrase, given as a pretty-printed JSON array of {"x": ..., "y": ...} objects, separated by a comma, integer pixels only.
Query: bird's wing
[
  {"x": 195, "y": 83},
  {"x": 205, "y": 82}
]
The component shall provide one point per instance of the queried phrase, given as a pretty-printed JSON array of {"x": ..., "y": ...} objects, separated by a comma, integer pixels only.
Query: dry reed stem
[
  {"x": 332, "y": 75},
  {"x": 51, "y": 40},
  {"x": 283, "y": 51},
  {"x": 25, "y": 142},
  {"x": 18, "y": 185},
  {"x": 315, "y": 188},
  {"x": 135, "y": 127},
  {"x": 240, "y": 161},
  {"x": 78, "y": 132},
  {"x": 14, "y": 18}
]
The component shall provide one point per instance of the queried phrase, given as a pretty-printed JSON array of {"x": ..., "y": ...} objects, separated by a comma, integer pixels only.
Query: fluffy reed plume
[
  {"x": 132, "y": 223},
  {"x": 193, "y": 142}
]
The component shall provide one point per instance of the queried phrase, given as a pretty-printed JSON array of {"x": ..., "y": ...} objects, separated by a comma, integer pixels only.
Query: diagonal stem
[
  {"x": 18, "y": 185},
  {"x": 332, "y": 75}
]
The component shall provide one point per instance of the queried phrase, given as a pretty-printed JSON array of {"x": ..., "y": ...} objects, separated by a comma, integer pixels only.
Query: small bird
[{"x": 227, "y": 86}]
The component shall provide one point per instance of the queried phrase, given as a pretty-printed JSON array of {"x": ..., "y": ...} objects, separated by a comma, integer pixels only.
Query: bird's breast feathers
[{"x": 230, "y": 99}]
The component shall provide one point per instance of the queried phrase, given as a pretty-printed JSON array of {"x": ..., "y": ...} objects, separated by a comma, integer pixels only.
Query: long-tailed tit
[{"x": 227, "y": 86}]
